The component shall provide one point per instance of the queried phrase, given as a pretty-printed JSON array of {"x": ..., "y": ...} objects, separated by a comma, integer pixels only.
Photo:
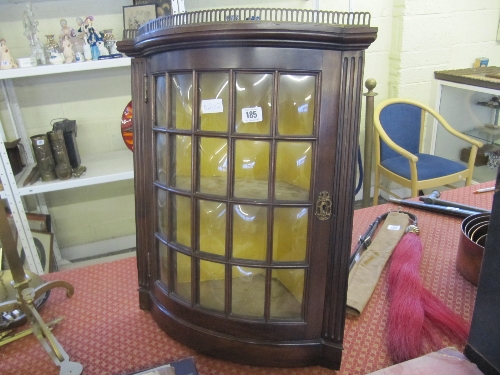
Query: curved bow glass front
[{"x": 235, "y": 152}]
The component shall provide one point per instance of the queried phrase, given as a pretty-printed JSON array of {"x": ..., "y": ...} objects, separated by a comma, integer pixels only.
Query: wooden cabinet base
[{"x": 300, "y": 353}]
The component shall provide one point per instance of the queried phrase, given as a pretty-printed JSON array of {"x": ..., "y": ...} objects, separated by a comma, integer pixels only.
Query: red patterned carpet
[{"x": 106, "y": 332}]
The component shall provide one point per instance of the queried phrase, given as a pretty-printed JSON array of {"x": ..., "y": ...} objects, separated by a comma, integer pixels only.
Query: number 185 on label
[{"x": 253, "y": 114}]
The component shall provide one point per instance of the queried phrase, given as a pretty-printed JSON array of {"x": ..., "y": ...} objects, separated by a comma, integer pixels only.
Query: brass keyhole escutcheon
[{"x": 323, "y": 206}]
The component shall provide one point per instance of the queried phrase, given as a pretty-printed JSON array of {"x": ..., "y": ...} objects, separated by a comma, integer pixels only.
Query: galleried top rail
[
  {"x": 258, "y": 14},
  {"x": 251, "y": 27}
]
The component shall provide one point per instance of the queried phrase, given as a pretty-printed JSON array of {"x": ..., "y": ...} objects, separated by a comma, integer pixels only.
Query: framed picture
[
  {"x": 44, "y": 247},
  {"x": 163, "y": 7},
  {"x": 38, "y": 222},
  {"x": 136, "y": 15}
]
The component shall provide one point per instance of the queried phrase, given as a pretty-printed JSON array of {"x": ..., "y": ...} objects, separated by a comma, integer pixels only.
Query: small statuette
[
  {"x": 6, "y": 60},
  {"x": 68, "y": 52},
  {"x": 103, "y": 51},
  {"x": 30, "y": 31}
]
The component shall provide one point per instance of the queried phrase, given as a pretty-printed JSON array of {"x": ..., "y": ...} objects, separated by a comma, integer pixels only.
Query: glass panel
[
  {"x": 181, "y": 215},
  {"x": 182, "y": 275},
  {"x": 161, "y": 197},
  {"x": 293, "y": 171},
  {"x": 287, "y": 289},
  {"x": 251, "y": 169},
  {"x": 212, "y": 154},
  {"x": 181, "y": 100},
  {"x": 248, "y": 292},
  {"x": 254, "y": 97},
  {"x": 249, "y": 232},
  {"x": 290, "y": 234},
  {"x": 161, "y": 158},
  {"x": 214, "y": 102},
  {"x": 296, "y": 104},
  {"x": 212, "y": 217},
  {"x": 180, "y": 168},
  {"x": 164, "y": 270},
  {"x": 212, "y": 285},
  {"x": 161, "y": 102}
]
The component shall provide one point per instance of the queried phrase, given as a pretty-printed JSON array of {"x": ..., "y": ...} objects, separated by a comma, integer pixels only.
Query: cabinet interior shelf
[
  {"x": 101, "y": 168},
  {"x": 64, "y": 68},
  {"x": 484, "y": 134},
  {"x": 492, "y": 105}
]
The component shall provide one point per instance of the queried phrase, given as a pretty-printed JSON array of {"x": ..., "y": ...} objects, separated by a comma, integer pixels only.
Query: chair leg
[{"x": 376, "y": 189}]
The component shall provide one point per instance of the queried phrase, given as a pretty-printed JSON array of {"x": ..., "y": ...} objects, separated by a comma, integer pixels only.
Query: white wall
[
  {"x": 415, "y": 38},
  {"x": 441, "y": 35}
]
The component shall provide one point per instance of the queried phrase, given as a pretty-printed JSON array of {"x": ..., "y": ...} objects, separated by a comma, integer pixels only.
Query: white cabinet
[{"x": 457, "y": 101}]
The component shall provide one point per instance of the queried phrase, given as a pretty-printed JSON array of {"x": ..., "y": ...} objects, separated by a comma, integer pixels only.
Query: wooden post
[{"x": 370, "y": 84}]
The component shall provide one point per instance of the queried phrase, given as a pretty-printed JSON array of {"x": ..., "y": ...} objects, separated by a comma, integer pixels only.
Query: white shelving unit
[
  {"x": 101, "y": 168},
  {"x": 41, "y": 70}
]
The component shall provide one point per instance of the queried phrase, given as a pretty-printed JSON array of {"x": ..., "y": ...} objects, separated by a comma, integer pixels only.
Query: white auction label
[
  {"x": 212, "y": 106},
  {"x": 393, "y": 227},
  {"x": 40, "y": 142},
  {"x": 253, "y": 114}
]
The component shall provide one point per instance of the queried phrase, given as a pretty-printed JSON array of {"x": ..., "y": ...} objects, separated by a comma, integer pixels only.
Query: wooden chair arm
[{"x": 453, "y": 131}]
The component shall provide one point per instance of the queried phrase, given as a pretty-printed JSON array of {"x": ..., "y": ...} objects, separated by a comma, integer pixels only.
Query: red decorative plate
[{"x": 127, "y": 127}]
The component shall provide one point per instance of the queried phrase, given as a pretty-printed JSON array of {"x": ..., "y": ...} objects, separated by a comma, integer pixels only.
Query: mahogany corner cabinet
[{"x": 246, "y": 125}]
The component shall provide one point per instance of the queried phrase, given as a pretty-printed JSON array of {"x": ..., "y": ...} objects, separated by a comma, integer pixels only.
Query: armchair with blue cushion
[{"x": 399, "y": 131}]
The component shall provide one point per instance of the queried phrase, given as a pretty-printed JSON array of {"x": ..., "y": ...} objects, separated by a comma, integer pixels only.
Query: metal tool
[
  {"x": 447, "y": 210},
  {"x": 6, "y": 337},
  {"x": 433, "y": 199}
]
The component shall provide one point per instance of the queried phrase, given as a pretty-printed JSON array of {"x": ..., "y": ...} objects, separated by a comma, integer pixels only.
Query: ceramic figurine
[
  {"x": 103, "y": 51},
  {"x": 82, "y": 37},
  {"x": 79, "y": 57},
  {"x": 112, "y": 48},
  {"x": 87, "y": 25},
  {"x": 87, "y": 52},
  {"x": 6, "y": 60},
  {"x": 56, "y": 58},
  {"x": 66, "y": 31},
  {"x": 80, "y": 32},
  {"x": 92, "y": 41},
  {"x": 68, "y": 52},
  {"x": 92, "y": 37},
  {"x": 30, "y": 30}
]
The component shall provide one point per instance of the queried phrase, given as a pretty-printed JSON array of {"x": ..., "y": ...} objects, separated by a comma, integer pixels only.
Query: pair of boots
[{"x": 52, "y": 156}]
